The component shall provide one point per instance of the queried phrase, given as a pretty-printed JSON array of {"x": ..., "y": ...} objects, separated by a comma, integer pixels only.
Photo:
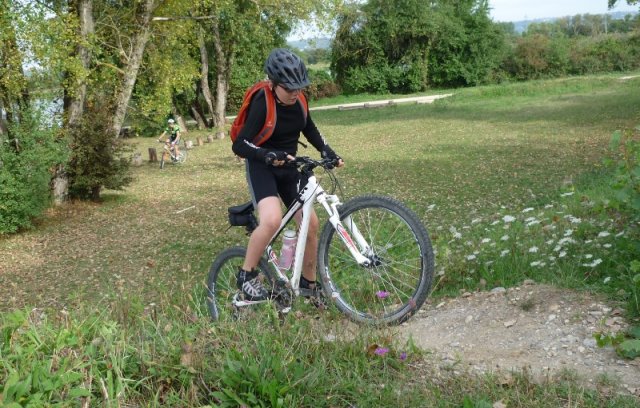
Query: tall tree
[
  {"x": 76, "y": 94},
  {"x": 134, "y": 60},
  {"x": 14, "y": 93},
  {"x": 404, "y": 45}
]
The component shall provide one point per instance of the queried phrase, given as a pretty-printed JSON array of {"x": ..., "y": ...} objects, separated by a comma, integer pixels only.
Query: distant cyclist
[{"x": 173, "y": 139}]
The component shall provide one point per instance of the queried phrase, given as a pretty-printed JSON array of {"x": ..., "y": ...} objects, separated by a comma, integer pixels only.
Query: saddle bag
[{"x": 242, "y": 216}]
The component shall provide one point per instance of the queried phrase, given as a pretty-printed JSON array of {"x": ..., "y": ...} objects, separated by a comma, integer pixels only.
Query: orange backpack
[{"x": 270, "y": 120}]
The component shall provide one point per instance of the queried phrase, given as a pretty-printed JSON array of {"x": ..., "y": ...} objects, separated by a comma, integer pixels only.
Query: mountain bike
[
  {"x": 169, "y": 149},
  {"x": 375, "y": 258}
]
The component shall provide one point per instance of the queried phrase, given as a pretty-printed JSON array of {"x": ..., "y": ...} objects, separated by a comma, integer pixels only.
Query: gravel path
[{"x": 546, "y": 330}]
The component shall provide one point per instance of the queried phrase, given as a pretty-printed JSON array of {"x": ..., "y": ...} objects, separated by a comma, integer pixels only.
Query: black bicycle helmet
[{"x": 286, "y": 68}]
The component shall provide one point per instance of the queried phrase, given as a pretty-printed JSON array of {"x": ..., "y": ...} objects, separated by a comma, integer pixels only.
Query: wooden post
[
  {"x": 153, "y": 156},
  {"x": 209, "y": 138},
  {"x": 137, "y": 159},
  {"x": 199, "y": 141}
]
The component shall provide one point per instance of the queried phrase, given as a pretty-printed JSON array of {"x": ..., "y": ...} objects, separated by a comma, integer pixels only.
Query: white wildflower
[
  {"x": 471, "y": 257},
  {"x": 566, "y": 240},
  {"x": 562, "y": 254},
  {"x": 431, "y": 207},
  {"x": 504, "y": 253},
  {"x": 533, "y": 249},
  {"x": 548, "y": 206},
  {"x": 457, "y": 235},
  {"x": 568, "y": 232},
  {"x": 476, "y": 220},
  {"x": 495, "y": 222},
  {"x": 504, "y": 238},
  {"x": 508, "y": 218},
  {"x": 526, "y": 210},
  {"x": 607, "y": 246},
  {"x": 619, "y": 234},
  {"x": 603, "y": 234},
  {"x": 532, "y": 223},
  {"x": 485, "y": 240},
  {"x": 588, "y": 256},
  {"x": 594, "y": 263},
  {"x": 549, "y": 242},
  {"x": 536, "y": 263},
  {"x": 607, "y": 279},
  {"x": 570, "y": 193}
]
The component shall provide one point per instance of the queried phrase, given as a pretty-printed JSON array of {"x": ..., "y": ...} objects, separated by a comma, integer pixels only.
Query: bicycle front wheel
[
  {"x": 221, "y": 282},
  {"x": 182, "y": 157},
  {"x": 397, "y": 282}
]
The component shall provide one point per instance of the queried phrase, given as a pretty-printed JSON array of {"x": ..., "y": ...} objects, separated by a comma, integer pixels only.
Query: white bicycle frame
[
  {"x": 314, "y": 193},
  {"x": 310, "y": 194}
]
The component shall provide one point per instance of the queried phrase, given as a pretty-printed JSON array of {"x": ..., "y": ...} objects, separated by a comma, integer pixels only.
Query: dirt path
[{"x": 544, "y": 329}]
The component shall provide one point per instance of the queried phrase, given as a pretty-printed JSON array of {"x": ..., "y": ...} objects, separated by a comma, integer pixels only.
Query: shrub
[
  {"x": 626, "y": 168},
  {"x": 96, "y": 160},
  {"x": 322, "y": 85},
  {"x": 27, "y": 156}
]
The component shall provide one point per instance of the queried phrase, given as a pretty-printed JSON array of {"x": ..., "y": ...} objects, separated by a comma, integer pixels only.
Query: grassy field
[{"x": 507, "y": 179}]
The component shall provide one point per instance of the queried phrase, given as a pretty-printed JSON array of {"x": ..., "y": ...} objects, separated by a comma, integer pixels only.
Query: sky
[{"x": 517, "y": 10}]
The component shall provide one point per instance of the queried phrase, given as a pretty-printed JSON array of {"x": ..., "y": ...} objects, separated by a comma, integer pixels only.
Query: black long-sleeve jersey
[{"x": 289, "y": 123}]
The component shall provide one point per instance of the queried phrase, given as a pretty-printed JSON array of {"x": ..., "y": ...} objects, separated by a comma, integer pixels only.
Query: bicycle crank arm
[{"x": 237, "y": 302}]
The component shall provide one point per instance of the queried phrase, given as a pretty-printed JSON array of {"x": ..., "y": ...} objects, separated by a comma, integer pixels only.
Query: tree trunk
[
  {"x": 11, "y": 72},
  {"x": 222, "y": 84},
  {"x": 204, "y": 73},
  {"x": 131, "y": 70},
  {"x": 87, "y": 27},
  {"x": 197, "y": 116},
  {"x": 3, "y": 123},
  {"x": 74, "y": 105}
]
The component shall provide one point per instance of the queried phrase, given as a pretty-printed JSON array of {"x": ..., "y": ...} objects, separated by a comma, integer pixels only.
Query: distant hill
[
  {"x": 310, "y": 43},
  {"x": 521, "y": 26}
]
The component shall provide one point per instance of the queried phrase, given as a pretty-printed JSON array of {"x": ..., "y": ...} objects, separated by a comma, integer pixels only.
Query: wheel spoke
[{"x": 402, "y": 262}]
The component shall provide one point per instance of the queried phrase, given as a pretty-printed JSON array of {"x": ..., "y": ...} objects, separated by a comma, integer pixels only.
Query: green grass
[{"x": 462, "y": 164}]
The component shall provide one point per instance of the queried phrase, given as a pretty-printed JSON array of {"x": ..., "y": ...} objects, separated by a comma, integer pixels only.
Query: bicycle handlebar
[{"x": 306, "y": 163}]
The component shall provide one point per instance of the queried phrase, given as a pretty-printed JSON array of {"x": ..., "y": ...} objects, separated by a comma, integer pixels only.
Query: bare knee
[
  {"x": 270, "y": 222},
  {"x": 270, "y": 214}
]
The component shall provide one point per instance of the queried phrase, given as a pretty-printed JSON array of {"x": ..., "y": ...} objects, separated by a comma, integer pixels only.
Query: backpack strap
[{"x": 270, "y": 119}]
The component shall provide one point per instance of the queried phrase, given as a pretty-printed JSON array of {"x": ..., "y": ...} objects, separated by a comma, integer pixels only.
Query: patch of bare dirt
[{"x": 544, "y": 330}]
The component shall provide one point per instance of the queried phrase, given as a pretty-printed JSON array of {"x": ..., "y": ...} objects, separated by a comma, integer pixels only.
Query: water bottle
[{"x": 288, "y": 249}]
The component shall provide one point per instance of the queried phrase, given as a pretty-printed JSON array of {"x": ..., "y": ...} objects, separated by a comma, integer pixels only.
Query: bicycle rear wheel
[
  {"x": 221, "y": 282},
  {"x": 398, "y": 282}
]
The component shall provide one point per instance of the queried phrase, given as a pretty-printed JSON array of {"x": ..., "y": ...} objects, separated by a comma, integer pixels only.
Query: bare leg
[
  {"x": 311, "y": 250},
  {"x": 270, "y": 216}
]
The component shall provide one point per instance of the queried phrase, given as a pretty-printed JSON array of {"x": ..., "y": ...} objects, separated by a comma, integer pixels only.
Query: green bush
[
  {"x": 625, "y": 163},
  {"x": 322, "y": 85},
  {"x": 97, "y": 160},
  {"x": 27, "y": 155}
]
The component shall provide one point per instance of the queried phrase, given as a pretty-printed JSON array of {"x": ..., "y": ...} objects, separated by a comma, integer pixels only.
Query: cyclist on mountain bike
[
  {"x": 268, "y": 179},
  {"x": 173, "y": 130}
]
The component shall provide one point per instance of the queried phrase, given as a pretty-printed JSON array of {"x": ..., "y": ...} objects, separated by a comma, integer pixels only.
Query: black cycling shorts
[{"x": 268, "y": 181}]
